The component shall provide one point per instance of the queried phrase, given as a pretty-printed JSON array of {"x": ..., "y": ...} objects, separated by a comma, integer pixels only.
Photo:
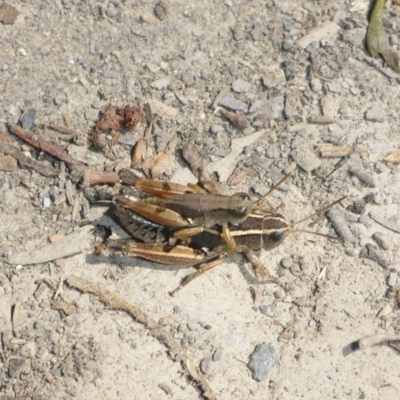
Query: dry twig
[
  {"x": 115, "y": 302},
  {"x": 89, "y": 175}
]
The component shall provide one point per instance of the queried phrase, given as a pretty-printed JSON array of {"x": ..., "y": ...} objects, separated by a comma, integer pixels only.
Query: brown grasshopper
[
  {"x": 178, "y": 206},
  {"x": 201, "y": 241}
]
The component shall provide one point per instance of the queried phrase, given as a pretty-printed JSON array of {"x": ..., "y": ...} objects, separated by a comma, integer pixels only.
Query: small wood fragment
[
  {"x": 321, "y": 120},
  {"x": 340, "y": 225},
  {"x": 376, "y": 339},
  {"x": 331, "y": 151},
  {"x": 326, "y": 30},
  {"x": 193, "y": 158},
  {"x": 369, "y": 252},
  {"x": 363, "y": 176},
  {"x": 68, "y": 309},
  {"x": 56, "y": 237},
  {"x": 77, "y": 242},
  {"x": 238, "y": 121},
  {"x": 161, "y": 162},
  {"x": 137, "y": 154},
  {"x": 63, "y": 130},
  {"x": 393, "y": 157},
  {"x": 19, "y": 317},
  {"x": 25, "y": 161},
  {"x": 163, "y": 110}
]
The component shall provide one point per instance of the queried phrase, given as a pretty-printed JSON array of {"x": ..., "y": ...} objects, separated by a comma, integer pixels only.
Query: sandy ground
[{"x": 69, "y": 59}]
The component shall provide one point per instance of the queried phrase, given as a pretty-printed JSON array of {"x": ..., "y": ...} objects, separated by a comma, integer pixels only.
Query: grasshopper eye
[
  {"x": 277, "y": 236},
  {"x": 240, "y": 211},
  {"x": 240, "y": 206}
]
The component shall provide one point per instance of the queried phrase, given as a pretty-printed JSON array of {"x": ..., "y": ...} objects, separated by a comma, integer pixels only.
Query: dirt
[{"x": 70, "y": 59}]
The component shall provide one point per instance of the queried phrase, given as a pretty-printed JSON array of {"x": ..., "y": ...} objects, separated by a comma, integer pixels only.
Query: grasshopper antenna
[
  {"x": 317, "y": 213},
  {"x": 258, "y": 202}
]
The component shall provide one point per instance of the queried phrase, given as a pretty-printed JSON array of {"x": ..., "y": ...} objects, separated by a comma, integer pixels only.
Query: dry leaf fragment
[
  {"x": 238, "y": 121},
  {"x": 160, "y": 165},
  {"x": 8, "y": 14},
  {"x": 137, "y": 154},
  {"x": 116, "y": 119},
  {"x": 393, "y": 157},
  {"x": 377, "y": 40}
]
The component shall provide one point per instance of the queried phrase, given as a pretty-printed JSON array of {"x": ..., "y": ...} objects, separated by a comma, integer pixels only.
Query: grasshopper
[
  {"x": 175, "y": 239},
  {"x": 179, "y": 206}
]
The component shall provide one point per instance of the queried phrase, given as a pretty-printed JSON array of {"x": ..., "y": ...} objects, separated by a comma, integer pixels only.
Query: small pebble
[
  {"x": 240, "y": 86},
  {"x": 392, "y": 279},
  {"x": 355, "y": 36},
  {"x": 193, "y": 326},
  {"x": 8, "y": 163},
  {"x": 272, "y": 152},
  {"x": 160, "y": 10},
  {"x": 28, "y": 118},
  {"x": 273, "y": 108},
  {"x": 306, "y": 159},
  {"x": 16, "y": 366},
  {"x": 28, "y": 350},
  {"x": 165, "y": 388},
  {"x": 312, "y": 323},
  {"x": 205, "y": 365},
  {"x": 273, "y": 77},
  {"x": 22, "y": 52},
  {"x": 230, "y": 102},
  {"x": 146, "y": 17},
  {"x": 375, "y": 114},
  {"x": 263, "y": 309},
  {"x": 166, "y": 321},
  {"x": 380, "y": 240},
  {"x": 161, "y": 83},
  {"x": 289, "y": 69},
  {"x": 262, "y": 360},
  {"x": 287, "y": 262},
  {"x": 358, "y": 207},
  {"x": 46, "y": 202},
  {"x": 312, "y": 46},
  {"x": 369, "y": 252},
  {"x": 288, "y": 46},
  {"x": 217, "y": 355}
]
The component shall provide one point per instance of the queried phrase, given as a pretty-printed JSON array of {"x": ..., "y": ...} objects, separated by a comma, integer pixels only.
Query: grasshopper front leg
[{"x": 201, "y": 269}]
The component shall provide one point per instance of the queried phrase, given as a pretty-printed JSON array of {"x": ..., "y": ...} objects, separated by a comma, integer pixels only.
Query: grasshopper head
[
  {"x": 240, "y": 206},
  {"x": 274, "y": 231}
]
